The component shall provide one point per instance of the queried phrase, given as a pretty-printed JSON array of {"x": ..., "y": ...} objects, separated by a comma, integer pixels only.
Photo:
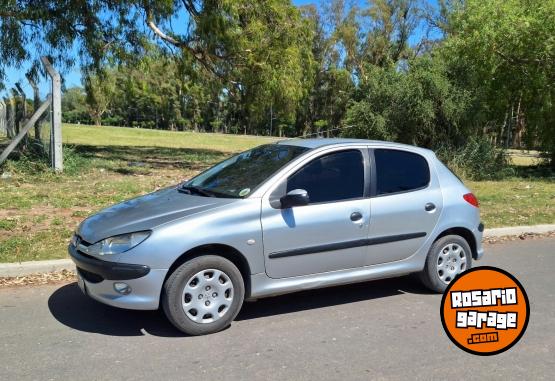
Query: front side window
[
  {"x": 238, "y": 176},
  {"x": 333, "y": 177},
  {"x": 400, "y": 171}
]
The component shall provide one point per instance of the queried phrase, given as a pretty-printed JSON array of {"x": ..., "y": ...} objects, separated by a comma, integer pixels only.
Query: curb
[
  {"x": 518, "y": 230},
  {"x": 33, "y": 267}
]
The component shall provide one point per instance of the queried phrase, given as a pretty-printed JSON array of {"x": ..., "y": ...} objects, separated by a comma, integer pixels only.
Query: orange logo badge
[{"x": 485, "y": 311}]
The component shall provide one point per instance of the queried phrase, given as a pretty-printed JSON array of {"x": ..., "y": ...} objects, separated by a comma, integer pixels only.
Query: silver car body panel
[{"x": 181, "y": 222}]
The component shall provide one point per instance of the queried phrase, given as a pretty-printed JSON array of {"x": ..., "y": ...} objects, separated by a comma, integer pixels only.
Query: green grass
[
  {"x": 104, "y": 165},
  {"x": 515, "y": 201},
  {"x": 138, "y": 137},
  {"x": 524, "y": 157}
]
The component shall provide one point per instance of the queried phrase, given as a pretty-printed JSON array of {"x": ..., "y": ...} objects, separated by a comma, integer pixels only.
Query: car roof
[{"x": 322, "y": 142}]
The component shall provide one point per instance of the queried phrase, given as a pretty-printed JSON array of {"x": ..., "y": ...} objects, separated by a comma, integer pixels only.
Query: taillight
[{"x": 471, "y": 199}]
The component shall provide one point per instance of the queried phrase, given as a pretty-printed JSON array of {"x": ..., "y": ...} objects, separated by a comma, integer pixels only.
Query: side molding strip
[{"x": 345, "y": 245}]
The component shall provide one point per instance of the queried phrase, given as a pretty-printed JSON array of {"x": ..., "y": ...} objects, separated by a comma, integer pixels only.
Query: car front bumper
[{"x": 96, "y": 278}]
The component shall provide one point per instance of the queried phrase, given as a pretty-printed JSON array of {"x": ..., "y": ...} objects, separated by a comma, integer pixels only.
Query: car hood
[{"x": 145, "y": 212}]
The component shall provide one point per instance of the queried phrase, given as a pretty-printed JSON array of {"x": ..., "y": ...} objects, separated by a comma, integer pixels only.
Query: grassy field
[{"x": 39, "y": 210}]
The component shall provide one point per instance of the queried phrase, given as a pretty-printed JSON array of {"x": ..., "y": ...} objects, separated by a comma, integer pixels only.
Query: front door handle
[
  {"x": 356, "y": 216},
  {"x": 429, "y": 207}
]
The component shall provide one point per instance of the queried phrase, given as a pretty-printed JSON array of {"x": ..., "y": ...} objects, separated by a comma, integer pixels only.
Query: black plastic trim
[
  {"x": 481, "y": 227},
  {"x": 345, "y": 245},
  {"x": 106, "y": 269}
]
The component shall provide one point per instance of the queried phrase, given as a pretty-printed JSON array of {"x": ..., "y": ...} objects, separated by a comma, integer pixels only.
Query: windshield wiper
[{"x": 193, "y": 189}]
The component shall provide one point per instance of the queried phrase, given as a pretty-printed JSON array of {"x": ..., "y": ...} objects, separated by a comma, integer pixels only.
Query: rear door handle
[
  {"x": 356, "y": 216},
  {"x": 429, "y": 207}
]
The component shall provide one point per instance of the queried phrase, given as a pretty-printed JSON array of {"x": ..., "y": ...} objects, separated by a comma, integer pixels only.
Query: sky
[{"x": 72, "y": 77}]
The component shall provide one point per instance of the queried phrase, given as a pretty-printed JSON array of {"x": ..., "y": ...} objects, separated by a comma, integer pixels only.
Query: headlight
[{"x": 117, "y": 244}]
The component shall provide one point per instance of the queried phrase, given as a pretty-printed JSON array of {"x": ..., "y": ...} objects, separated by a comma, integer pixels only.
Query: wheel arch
[
  {"x": 225, "y": 251},
  {"x": 464, "y": 233}
]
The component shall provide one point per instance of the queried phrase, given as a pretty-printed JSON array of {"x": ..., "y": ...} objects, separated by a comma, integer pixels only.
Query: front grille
[{"x": 90, "y": 277}]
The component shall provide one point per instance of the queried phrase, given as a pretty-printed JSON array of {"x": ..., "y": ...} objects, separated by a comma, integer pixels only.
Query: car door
[
  {"x": 327, "y": 234},
  {"x": 406, "y": 204}
]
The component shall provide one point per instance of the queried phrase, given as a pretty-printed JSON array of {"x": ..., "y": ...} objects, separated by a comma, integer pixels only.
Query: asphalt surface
[{"x": 386, "y": 329}]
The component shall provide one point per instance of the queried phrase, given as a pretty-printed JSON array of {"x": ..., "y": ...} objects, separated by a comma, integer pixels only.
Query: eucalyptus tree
[
  {"x": 254, "y": 49},
  {"x": 503, "y": 51}
]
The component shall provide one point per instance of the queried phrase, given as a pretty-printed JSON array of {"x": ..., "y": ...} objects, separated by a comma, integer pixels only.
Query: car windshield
[{"x": 239, "y": 175}]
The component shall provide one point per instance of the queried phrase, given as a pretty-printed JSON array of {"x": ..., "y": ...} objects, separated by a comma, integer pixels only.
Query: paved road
[{"x": 377, "y": 330}]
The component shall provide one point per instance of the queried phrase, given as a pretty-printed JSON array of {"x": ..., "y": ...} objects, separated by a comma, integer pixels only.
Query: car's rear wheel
[
  {"x": 203, "y": 295},
  {"x": 448, "y": 257}
]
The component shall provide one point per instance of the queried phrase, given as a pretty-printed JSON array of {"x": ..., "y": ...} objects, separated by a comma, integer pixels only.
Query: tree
[
  {"x": 74, "y": 106},
  {"x": 417, "y": 105},
  {"x": 99, "y": 89},
  {"x": 257, "y": 47},
  {"x": 503, "y": 51}
]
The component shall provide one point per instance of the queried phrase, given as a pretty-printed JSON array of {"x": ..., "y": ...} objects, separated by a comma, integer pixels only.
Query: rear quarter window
[{"x": 400, "y": 171}]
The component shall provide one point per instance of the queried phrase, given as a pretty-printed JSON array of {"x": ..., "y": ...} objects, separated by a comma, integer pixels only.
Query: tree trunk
[{"x": 519, "y": 127}]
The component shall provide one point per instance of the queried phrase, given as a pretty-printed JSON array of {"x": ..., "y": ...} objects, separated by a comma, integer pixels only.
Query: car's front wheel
[
  {"x": 448, "y": 257},
  {"x": 203, "y": 295}
]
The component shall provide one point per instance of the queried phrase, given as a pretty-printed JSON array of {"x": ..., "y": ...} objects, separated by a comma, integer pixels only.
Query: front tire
[
  {"x": 203, "y": 295},
  {"x": 448, "y": 257}
]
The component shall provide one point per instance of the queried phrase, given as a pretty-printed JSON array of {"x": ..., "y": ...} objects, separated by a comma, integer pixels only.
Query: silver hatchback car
[{"x": 279, "y": 218}]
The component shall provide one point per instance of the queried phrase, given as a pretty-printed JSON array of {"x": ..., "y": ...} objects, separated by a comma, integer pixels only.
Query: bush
[
  {"x": 74, "y": 163},
  {"x": 33, "y": 160},
  {"x": 478, "y": 159}
]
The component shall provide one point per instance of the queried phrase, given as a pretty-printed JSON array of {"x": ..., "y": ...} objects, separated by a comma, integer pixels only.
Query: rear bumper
[{"x": 96, "y": 279}]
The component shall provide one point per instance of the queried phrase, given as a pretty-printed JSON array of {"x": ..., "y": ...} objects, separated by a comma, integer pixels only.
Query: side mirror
[{"x": 296, "y": 197}]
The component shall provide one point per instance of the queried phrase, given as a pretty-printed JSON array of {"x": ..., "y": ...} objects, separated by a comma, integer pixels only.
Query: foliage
[
  {"x": 74, "y": 106},
  {"x": 415, "y": 72},
  {"x": 503, "y": 51},
  {"x": 414, "y": 105},
  {"x": 478, "y": 159}
]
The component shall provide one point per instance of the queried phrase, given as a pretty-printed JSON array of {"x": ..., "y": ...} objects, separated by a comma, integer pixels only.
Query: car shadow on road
[
  {"x": 73, "y": 309},
  {"x": 331, "y": 296}
]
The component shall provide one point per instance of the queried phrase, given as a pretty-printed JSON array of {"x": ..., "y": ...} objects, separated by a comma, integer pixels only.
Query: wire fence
[
  {"x": 45, "y": 135},
  {"x": 14, "y": 114}
]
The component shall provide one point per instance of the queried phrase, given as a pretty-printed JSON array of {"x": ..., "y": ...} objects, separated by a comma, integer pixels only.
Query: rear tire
[
  {"x": 203, "y": 295},
  {"x": 448, "y": 257}
]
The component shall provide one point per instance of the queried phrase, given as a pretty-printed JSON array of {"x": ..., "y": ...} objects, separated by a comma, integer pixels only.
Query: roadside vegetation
[
  {"x": 39, "y": 209},
  {"x": 474, "y": 80}
]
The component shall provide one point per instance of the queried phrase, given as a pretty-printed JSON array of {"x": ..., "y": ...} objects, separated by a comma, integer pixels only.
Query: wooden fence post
[{"x": 56, "y": 134}]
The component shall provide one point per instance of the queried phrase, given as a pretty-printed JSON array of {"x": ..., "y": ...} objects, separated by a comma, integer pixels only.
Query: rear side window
[
  {"x": 333, "y": 177},
  {"x": 400, "y": 171}
]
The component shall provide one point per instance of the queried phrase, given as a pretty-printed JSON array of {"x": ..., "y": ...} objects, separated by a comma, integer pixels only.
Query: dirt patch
[
  {"x": 64, "y": 276},
  {"x": 38, "y": 219}
]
